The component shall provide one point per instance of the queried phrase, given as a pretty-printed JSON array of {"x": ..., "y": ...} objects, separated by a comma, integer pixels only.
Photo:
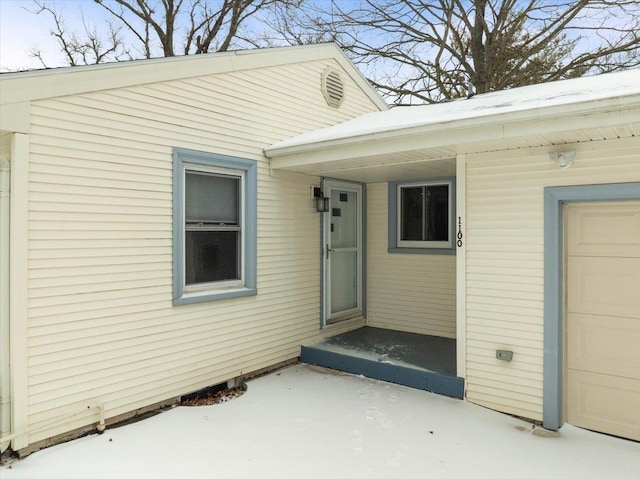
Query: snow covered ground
[{"x": 306, "y": 422}]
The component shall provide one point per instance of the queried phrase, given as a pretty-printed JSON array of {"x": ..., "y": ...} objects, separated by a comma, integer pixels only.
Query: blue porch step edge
[{"x": 451, "y": 386}]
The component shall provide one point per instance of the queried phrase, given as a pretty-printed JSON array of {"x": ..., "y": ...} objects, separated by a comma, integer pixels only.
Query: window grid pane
[
  {"x": 213, "y": 246},
  {"x": 436, "y": 213},
  {"x": 212, "y": 256},
  {"x": 211, "y": 198},
  {"x": 424, "y": 213},
  {"x": 412, "y": 214}
]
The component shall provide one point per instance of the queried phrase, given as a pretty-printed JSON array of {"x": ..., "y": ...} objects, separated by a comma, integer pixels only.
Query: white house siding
[
  {"x": 406, "y": 292},
  {"x": 101, "y": 325},
  {"x": 504, "y": 241}
]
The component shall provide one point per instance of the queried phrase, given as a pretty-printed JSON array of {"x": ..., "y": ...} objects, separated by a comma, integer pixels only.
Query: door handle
[{"x": 329, "y": 250}]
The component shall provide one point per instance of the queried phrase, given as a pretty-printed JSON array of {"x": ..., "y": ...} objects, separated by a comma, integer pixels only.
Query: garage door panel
[
  {"x": 607, "y": 345},
  {"x": 611, "y": 228},
  {"x": 604, "y": 286},
  {"x": 602, "y": 329},
  {"x": 604, "y": 403}
]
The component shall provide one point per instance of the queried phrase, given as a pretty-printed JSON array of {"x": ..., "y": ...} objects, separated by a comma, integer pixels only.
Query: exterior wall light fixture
[
  {"x": 322, "y": 204},
  {"x": 563, "y": 159}
]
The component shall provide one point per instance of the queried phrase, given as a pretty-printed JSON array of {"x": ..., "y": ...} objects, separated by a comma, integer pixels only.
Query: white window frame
[
  {"x": 246, "y": 171},
  {"x": 396, "y": 244},
  {"x": 214, "y": 285}
]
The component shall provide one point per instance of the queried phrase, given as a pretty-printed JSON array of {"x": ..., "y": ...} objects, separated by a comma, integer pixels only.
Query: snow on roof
[{"x": 522, "y": 99}]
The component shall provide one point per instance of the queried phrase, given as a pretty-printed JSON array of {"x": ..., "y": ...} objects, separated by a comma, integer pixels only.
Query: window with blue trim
[
  {"x": 214, "y": 227},
  {"x": 421, "y": 215}
]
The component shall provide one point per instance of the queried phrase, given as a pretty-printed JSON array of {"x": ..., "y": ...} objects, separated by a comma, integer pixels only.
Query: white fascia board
[
  {"x": 601, "y": 113},
  {"x": 40, "y": 84},
  {"x": 15, "y": 117}
]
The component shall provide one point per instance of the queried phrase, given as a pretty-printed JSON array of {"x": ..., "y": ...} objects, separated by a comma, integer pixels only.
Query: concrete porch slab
[{"x": 414, "y": 360}]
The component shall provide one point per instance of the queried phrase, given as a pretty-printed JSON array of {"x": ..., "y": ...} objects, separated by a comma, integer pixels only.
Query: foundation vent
[{"x": 332, "y": 87}]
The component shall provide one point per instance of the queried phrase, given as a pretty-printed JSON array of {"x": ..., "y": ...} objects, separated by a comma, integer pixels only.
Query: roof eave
[
  {"x": 498, "y": 126},
  {"x": 34, "y": 85}
]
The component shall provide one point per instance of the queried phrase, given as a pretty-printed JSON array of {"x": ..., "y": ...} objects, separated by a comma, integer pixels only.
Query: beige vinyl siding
[
  {"x": 101, "y": 326},
  {"x": 5, "y": 226},
  {"x": 5, "y": 145},
  {"x": 504, "y": 270},
  {"x": 406, "y": 292}
]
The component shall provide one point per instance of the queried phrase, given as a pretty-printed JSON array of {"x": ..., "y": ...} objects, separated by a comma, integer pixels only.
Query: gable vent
[{"x": 332, "y": 87}]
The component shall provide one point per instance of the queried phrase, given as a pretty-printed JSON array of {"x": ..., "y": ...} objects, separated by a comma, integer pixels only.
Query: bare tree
[
  {"x": 411, "y": 50},
  {"x": 148, "y": 28},
  {"x": 428, "y": 51},
  {"x": 82, "y": 48}
]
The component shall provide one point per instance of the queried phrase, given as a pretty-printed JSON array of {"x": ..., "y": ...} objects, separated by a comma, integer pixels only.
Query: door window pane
[
  {"x": 344, "y": 281},
  {"x": 344, "y": 219}
]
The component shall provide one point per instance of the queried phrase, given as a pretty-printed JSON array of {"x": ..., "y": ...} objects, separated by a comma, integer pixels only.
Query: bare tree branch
[
  {"x": 418, "y": 50},
  {"x": 84, "y": 47},
  {"x": 162, "y": 28},
  {"x": 411, "y": 50}
]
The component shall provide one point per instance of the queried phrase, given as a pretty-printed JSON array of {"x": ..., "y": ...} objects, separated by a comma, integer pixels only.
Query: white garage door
[{"x": 602, "y": 388}]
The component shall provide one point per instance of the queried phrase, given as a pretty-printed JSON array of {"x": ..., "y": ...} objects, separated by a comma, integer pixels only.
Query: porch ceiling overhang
[{"x": 423, "y": 141}]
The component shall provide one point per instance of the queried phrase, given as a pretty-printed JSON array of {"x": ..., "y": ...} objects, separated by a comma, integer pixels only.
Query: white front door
[{"x": 342, "y": 251}]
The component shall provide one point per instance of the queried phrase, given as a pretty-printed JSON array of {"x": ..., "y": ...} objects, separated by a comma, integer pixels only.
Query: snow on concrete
[{"x": 307, "y": 422}]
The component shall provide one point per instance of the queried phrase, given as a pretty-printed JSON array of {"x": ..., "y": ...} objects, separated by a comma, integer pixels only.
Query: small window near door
[
  {"x": 421, "y": 216},
  {"x": 214, "y": 231}
]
